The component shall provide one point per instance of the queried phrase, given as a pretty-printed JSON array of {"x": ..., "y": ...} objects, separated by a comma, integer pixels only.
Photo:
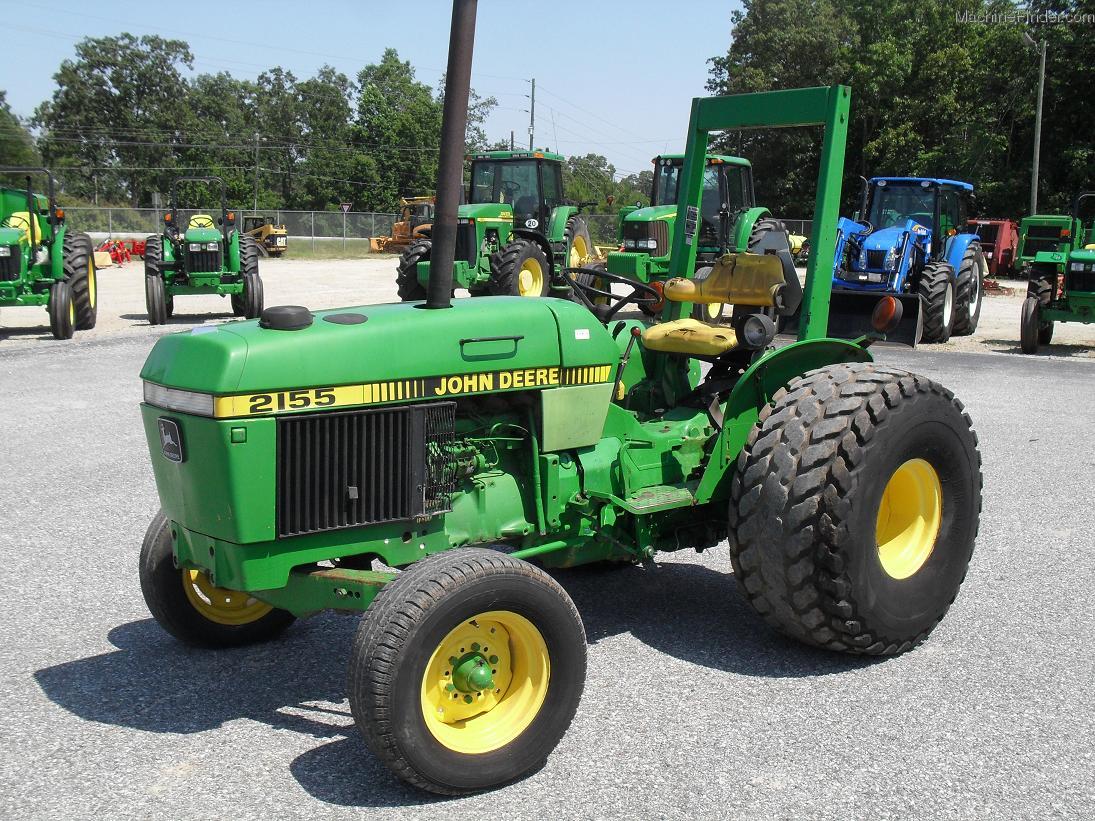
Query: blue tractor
[{"x": 906, "y": 241}]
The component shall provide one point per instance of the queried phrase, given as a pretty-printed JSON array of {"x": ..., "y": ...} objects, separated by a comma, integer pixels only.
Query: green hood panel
[
  {"x": 651, "y": 213},
  {"x": 398, "y": 341},
  {"x": 203, "y": 235},
  {"x": 1082, "y": 255},
  {"x": 486, "y": 210},
  {"x": 1050, "y": 257}
]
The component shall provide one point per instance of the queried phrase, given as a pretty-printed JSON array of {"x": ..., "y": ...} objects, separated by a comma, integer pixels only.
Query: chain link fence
[{"x": 306, "y": 225}]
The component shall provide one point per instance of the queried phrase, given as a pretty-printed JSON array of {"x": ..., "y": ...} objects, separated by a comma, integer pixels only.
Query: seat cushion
[
  {"x": 736, "y": 279},
  {"x": 690, "y": 336}
]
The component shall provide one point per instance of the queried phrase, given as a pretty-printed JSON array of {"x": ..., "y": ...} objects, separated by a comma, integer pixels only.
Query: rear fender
[
  {"x": 558, "y": 222},
  {"x": 233, "y": 261},
  {"x": 956, "y": 248},
  {"x": 743, "y": 227},
  {"x": 753, "y": 391},
  {"x": 57, "y": 253}
]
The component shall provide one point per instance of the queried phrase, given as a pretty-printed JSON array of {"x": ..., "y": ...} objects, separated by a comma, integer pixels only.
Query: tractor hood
[
  {"x": 495, "y": 211},
  {"x": 886, "y": 238},
  {"x": 407, "y": 350},
  {"x": 651, "y": 213},
  {"x": 203, "y": 235}
]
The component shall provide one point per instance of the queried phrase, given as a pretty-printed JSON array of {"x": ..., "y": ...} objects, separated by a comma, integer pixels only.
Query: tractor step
[{"x": 658, "y": 498}]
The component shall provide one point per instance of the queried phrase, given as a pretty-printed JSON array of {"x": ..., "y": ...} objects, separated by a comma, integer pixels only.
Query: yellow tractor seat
[
  {"x": 690, "y": 336},
  {"x": 201, "y": 221},
  {"x": 736, "y": 279},
  {"x": 1090, "y": 247},
  {"x": 20, "y": 221}
]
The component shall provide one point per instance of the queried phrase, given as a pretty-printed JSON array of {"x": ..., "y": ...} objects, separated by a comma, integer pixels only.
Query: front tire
[
  {"x": 854, "y": 508},
  {"x": 937, "y": 295},
  {"x": 520, "y": 269},
  {"x": 406, "y": 277},
  {"x": 62, "y": 311},
  {"x": 420, "y": 689},
  {"x": 155, "y": 300},
  {"x": 79, "y": 267},
  {"x": 191, "y": 608},
  {"x": 970, "y": 291}
]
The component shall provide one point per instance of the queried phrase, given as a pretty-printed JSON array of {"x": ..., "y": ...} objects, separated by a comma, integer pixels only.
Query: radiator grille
[
  {"x": 876, "y": 259},
  {"x": 339, "y": 470},
  {"x": 1080, "y": 281},
  {"x": 203, "y": 261},
  {"x": 9, "y": 265},
  {"x": 654, "y": 229}
]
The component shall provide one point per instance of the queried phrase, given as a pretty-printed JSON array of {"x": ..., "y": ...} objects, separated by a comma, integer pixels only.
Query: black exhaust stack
[{"x": 450, "y": 169}]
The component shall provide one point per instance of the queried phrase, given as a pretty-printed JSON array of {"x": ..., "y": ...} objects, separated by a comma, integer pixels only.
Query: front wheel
[
  {"x": 191, "y": 608},
  {"x": 854, "y": 508},
  {"x": 248, "y": 303},
  {"x": 467, "y": 670},
  {"x": 155, "y": 300},
  {"x": 937, "y": 296},
  {"x": 969, "y": 291},
  {"x": 62, "y": 311},
  {"x": 1030, "y": 326},
  {"x": 520, "y": 269}
]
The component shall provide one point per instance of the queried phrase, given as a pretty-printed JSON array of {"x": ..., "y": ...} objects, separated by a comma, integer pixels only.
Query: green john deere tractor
[
  {"x": 1044, "y": 234},
  {"x": 515, "y": 233},
  {"x": 730, "y": 221},
  {"x": 42, "y": 262},
  {"x": 470, "y": 443},
  {"x": 205, "y": 257},
  {"x": 1060, "y": 290}
]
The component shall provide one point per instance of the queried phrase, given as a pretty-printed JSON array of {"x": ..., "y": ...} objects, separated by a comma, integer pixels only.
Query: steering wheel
[
  {"x": 641, "y": 293},
  {"x": 510, "y": 190}
]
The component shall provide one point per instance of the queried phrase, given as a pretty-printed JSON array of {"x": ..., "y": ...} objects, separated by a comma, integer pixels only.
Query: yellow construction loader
[
  {"x": 416, "y": 222},
  {"x": 272, "y": 240}
]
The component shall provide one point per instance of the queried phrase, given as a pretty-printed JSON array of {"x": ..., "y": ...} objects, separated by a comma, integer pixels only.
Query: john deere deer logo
[{"x": 170, "y": 440}]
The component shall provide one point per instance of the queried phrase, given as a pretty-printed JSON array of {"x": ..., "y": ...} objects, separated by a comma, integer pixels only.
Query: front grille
[
  {"x": 203, "y": 261},
  {"x": 1080, "y": 281},
  {"x": 1042, "y": 238},
  {"x": 339, "y": 470},
  {"x": 876, "y": 259},
  {"x": 657, "y": 230},
  {"x": 465, "y": 242},
  {"x": 10, "y": 265}
]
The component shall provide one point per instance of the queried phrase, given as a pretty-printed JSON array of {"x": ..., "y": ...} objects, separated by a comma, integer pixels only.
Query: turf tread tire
[
  {"x": 792, "y": 497},
  {"x": 389, "y": 625}
]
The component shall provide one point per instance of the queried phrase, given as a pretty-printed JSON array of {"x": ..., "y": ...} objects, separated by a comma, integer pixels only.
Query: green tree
[
  {"x": 16, "y": 144},
  {"x": 115, "y": 110}
]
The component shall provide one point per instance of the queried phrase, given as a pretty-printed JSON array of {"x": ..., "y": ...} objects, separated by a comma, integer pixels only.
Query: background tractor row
[
  {"x": 1062, "y": 282},
  {"x": 42, "y": 262},
  {"x": 515, "y": 232},
  {"x": 206, "y": 256}
]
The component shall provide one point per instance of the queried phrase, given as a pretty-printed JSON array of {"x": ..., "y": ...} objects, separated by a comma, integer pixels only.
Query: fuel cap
[{"x": 286, "y": 318}]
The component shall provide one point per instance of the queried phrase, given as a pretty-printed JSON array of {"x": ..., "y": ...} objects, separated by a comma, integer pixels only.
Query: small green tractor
[
  {"x": 1044, "y": 234},
  {"x": 42, "y": 262},
  {"x": 205, "y": 257},
  {"x": 515, "y": 233},
  {"x": 730, "y": 222},
  {"x": 470, "y": 443},
  {"x": 1060, "y": 290}
]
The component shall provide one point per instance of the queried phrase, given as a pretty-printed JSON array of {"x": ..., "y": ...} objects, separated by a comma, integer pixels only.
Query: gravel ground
[{"x": 692, "y": 709}]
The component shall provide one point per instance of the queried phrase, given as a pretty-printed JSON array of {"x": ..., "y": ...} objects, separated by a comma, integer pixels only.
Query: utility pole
[
  {"x": 1037, "y": 122},
  {"x": 256, "y": 172},
  {"x": 511, "y": 139},
  {"x": 532, "y": 115}
]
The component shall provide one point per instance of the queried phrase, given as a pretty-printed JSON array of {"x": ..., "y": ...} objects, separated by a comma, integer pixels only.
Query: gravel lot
[{"x": 693, "y": 708}]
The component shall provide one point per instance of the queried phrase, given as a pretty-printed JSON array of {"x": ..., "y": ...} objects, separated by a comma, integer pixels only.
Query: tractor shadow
[
  {"x": 152, "y": 683},
  {"x": 182, "y": 319},
  {"x": 1053, "y": 349},
  {"x": 38, "y": 332}
]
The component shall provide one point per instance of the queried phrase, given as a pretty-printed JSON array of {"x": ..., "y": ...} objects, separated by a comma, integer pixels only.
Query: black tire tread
[
  {"x": 807, "y": 446},
  {"x": 505, "y": 262},
  {"x": 762, "y": 227},
  {"x": 388, "y": 624},
  {"x": 973, "y": 264},
  {"x": 935, "y": 279},
  {"x": 406, "y": 277},
  {"x": 77, "y": 251}
]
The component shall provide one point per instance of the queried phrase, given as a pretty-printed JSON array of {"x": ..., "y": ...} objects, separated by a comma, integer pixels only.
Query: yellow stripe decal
[{"x": 431, "y": 387}]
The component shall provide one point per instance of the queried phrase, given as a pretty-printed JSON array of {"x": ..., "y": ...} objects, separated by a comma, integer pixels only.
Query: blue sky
[{"x": 612, "y": 77}]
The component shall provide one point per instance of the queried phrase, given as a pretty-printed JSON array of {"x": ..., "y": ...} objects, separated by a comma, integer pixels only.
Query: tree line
[{"x": 934, "y": 93}]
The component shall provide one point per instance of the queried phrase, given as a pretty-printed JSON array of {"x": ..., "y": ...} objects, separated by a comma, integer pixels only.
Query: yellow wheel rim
[
  {"x": 492, "y": 706},
  {"x": 219, "y": 605},
  {"x": 530, "y": 279},
  {"x": 714, "y": 310},
  {"x": 71, "y": 312},
  {"x": 579, "y": 252},
  {"x": 91, "y": 286},
  {"x": 908, "y": 518}
]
